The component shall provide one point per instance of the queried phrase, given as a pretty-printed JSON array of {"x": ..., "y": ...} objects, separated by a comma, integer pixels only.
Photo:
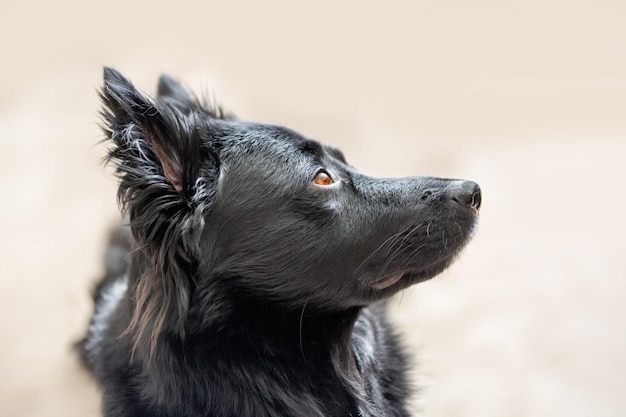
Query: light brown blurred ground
[{"x": 527, "y": 98}]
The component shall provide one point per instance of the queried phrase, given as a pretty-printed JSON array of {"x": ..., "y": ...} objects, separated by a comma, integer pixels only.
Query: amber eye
[{"x": 322, "y": 178}]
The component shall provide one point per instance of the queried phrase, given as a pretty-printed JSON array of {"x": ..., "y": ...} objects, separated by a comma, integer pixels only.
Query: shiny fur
[{"x": 243, "y": 287}]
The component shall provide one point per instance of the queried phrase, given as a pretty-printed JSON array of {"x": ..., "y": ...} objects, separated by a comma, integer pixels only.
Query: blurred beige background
[{"x": 527, "y": 98}]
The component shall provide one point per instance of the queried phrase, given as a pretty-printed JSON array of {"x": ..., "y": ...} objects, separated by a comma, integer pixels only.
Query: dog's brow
[
  {"x": 312, "y": 147},
  {"x": 336, "y": 153}
]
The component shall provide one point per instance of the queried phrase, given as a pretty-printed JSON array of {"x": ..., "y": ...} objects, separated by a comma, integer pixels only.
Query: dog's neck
[
  {"x": 297, "y": 338},
  {"x": 306, "y": 348}
]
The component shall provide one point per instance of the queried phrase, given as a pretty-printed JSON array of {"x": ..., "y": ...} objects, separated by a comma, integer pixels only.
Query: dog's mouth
[
  {"x": 409, "y": 264},
  {"x": 401, "y": 280},
  {"x": 405, "y": 278},
  {"x": 389, "y": 281}
]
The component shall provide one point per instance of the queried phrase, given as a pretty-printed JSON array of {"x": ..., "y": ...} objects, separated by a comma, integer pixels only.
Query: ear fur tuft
[
  {"x": 168, "y": 170},
  {"x": 126, "y": 108}
]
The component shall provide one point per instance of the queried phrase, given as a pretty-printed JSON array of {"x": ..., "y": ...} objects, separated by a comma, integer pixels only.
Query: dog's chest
[{"x": 368, "y": 343}]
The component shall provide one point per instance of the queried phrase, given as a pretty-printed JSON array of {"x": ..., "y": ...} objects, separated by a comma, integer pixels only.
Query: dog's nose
[{"x": 466, "y": 193}]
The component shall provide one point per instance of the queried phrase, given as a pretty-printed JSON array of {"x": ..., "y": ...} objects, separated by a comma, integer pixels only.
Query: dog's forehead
[{"x": 269, "y": 141}]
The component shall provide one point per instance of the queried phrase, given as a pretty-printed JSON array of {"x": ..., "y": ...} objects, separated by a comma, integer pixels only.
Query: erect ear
[
  {"x": 168, "y": 167},
  {"x": 170, "y": 89},
  {"x": 138, "y": 128},
  {"x": 173, "y": 92}
]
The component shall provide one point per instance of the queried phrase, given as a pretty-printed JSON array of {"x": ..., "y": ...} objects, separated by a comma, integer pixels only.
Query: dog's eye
[{"x": 322, "y": 178}]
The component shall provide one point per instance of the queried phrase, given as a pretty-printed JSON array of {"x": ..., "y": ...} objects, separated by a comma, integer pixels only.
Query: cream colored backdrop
[{"x": 527, "y": 98}]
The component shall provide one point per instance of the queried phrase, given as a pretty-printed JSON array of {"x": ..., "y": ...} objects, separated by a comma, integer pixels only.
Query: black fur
[{"x": 247, "y": 289}]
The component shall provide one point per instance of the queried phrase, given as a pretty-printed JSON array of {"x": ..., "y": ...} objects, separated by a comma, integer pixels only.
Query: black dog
[{"x": 249, "y": 285}]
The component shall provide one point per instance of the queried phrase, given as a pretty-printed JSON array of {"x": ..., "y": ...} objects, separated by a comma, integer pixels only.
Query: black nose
[{"x": 466, "y": 193}]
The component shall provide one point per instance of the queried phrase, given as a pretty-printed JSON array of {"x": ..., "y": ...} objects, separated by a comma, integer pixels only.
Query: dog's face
[
  {"x": 267, "y": 211},
  {"x": 293, "y": 220}
]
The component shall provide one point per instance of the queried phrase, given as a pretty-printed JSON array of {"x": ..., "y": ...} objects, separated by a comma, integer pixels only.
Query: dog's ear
[
  {"x": 166, "y": 158},
  {"x": 170, "y": 89},
  {"x": 168, "y": 169},
  {"x": 135, "y": 121}
]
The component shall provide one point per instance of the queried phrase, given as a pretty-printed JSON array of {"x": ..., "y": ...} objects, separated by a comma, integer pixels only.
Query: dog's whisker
[
  {"x": 412, "y": 255},
  {"x": 391, "y": 242},
  {"x": 411, "y": 232},
  {"x": 401, "y": 298},
  {"x": 371, "y": 255},
  {"x": 300, "y": 330}
]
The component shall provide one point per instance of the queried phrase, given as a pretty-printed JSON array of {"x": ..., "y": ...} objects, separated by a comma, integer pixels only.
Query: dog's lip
[
  {"x": 388, "y": 281},
  {"x": 412, "y": 276}
]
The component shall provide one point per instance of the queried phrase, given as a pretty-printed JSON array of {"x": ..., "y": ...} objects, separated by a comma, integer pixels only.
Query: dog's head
[{"x": 220, "y": 205}]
